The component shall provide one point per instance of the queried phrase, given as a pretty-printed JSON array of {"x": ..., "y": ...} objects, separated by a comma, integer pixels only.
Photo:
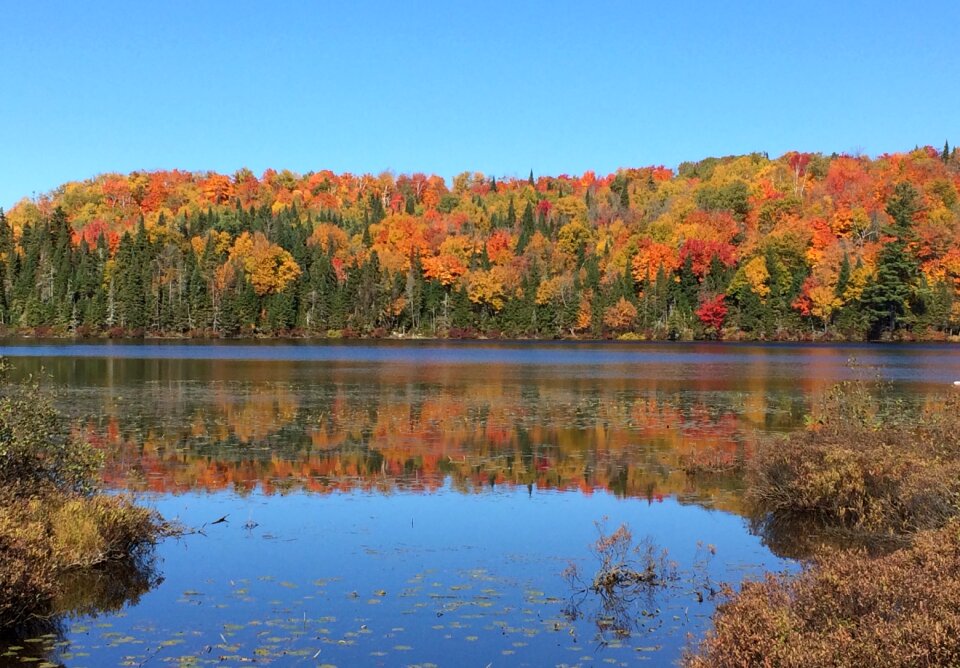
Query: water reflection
[
  {"x": 380, "y": 429},
  {"x": 171, "y": 425},
  {"x": 86, "y": 594}
]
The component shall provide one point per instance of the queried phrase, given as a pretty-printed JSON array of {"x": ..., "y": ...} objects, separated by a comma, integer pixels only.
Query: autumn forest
[{"x": 800, "y": 247}]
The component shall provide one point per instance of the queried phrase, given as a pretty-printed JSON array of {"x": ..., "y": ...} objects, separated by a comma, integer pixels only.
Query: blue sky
[{"x": 446, "y": 87}]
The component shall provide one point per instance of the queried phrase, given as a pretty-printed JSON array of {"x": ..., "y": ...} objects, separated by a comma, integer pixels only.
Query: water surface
[{"x": 416, "y": 503}]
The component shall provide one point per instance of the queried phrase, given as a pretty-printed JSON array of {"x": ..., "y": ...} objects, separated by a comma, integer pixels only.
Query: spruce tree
[
  {"x": 886, "y": 298},
  {"x": 527, "y": 228}
]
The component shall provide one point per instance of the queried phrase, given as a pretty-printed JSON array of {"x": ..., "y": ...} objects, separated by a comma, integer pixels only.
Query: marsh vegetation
[
  {"x": 54, "y": 520},
  {"x": 871, "y": 492}
]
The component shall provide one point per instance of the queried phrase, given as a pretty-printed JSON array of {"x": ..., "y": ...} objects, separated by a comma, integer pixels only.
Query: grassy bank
[
  {"x": 54, "y": 522},
  {"x": 872, "y": 491}
]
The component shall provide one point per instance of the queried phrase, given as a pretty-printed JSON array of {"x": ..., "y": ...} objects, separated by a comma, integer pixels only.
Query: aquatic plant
[{"x": 626, "y": 572}]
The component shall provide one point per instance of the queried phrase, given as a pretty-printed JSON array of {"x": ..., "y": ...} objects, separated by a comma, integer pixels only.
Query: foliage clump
[
  {"x": 867, "y": 467},
  {"x": 847, "y": 609},
  {"x": 37, "y": 452},
  {"x": 52, "y": 519}
]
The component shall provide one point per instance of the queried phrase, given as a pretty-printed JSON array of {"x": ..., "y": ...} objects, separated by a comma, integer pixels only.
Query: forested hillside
[{"x": 802, "y": 246}]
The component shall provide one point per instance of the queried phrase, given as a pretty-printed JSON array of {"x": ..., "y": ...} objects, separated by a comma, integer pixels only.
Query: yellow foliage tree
[
  {"x": 487, "y": 287},
  {"x": 758, "y": 276},
  {"x": 573, "y": 236},
  {"x": 268, "y": 267}
]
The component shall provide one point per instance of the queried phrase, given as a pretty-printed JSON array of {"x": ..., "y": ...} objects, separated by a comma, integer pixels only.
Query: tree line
[{"x": 744, "y": 247}]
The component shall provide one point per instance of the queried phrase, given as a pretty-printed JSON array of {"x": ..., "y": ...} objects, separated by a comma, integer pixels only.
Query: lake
[{"x": 417, "y": 503}]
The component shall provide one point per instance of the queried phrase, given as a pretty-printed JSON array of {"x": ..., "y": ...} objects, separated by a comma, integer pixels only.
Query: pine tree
[
  {"x": 129, "y": 284},
  {"x": 843, "y": 277},
  {"x": 462, "y": 317},
  {"x": 7, "y": 254}
]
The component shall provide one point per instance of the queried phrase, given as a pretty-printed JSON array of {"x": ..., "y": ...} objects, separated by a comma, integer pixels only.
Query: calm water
[{"x": 416, "y": 503}]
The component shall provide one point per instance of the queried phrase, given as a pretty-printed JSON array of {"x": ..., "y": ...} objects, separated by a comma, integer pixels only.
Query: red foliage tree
[{"x": 712, "y": 312}]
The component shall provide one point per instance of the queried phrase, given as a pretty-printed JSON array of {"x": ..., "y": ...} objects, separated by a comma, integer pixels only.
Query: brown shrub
[
  {"x": 866, "y": 467},
  {"x": 87, "y": 531},
  {"x": 51, "y": 521},
  {"x": 43, "y": 538},
  {"x": 847, "y": 609},
  {"x": 27, "y": 582}
]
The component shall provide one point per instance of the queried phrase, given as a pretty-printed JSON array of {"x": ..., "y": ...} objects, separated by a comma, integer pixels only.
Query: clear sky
[{"x": 445, "y": 87}]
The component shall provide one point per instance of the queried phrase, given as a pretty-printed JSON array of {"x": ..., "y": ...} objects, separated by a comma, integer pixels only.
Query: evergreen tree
[
  {"x": 462, "y": 316},
  {"x": 7, "y": 255},
  {"x": 527, "y": 228},
  {"x": 413, "y": 292},
  {"x": 887, "y": 297},
  {"x": 281, "y": 310},
  {"x": 843, "y": 277},
  {"x": 129, "y": 288}
]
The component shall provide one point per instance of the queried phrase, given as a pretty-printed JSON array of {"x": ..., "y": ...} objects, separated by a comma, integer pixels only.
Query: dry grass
[
  {"x": 90, "y": 531},
  {"x": 43, "y": 538},
  {"x": 27, "y": 574}
]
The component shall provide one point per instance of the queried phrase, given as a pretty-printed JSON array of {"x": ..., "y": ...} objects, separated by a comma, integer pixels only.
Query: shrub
[
  {"x": 872, "y": 471},
  {"x": 43, "y": 538},
  {"x": 866, "y": 468},
  {"x": 846, "y": 609},
  {"x": 86, "y": 532},
  {"x": 37, "y": 454},
  {"x": 27, "y": 573}
]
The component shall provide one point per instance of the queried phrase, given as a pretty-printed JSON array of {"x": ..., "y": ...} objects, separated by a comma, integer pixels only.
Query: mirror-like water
[{"x": 416, "y": 503}]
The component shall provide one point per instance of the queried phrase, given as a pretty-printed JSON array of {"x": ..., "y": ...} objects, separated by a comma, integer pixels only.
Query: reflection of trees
[
  {"x": 177, "y": 424},
  {"x": 336, "y": 435}
]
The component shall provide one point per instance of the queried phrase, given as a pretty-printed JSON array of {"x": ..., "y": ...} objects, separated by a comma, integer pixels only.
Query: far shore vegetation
[{"x": 800, "y": 247}]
